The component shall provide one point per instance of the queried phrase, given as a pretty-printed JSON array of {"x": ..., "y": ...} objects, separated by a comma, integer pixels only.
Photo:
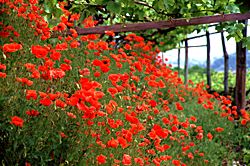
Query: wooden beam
[
  {"x": 161, "y": 24},
  {"x": 195, "y": 37},
  {"x": 204, "y": 45}
]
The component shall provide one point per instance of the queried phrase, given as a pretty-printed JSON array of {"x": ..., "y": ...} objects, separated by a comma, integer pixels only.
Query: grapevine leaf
[{"x": 114, "y": 7}]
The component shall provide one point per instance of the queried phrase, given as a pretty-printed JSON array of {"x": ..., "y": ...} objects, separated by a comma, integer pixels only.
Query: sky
[{"x": 197, "y": 55}]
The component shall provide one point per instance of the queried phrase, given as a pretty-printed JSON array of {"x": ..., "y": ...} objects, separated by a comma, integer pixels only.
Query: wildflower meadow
[{"x": 85, "y": 100}]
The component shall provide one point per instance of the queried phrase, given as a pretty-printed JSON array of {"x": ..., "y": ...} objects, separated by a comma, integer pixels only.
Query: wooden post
[
  {"x": 208, "y": 62},
  {"x": 240, "y": 95},
  {"x": 179, "y": 60},
  {"x": 186, "y": 63},
  {"x": 162, "y": 58},
  {"x": 226, "y": 63}
]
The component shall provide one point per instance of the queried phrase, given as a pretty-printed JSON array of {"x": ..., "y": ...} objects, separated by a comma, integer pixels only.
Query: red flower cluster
[
  {"x": 12, "y": 47},
  {"x": 17, "y": 121}
]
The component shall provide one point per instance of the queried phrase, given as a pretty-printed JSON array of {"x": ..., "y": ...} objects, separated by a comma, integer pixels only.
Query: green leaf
[
  {"x": 58, "y": 13},
  {"x": 102, "y": 2},
  {"x": 140, "y": 14},
  {"x": 168, "y": 3},
  {"x": 246, "y": 42},
  {"x": 53, "y": 2},
  {"x": 47, "y": 7},
  {"x": 240, "y": 26},
  {"x": 114, "y": 7}
]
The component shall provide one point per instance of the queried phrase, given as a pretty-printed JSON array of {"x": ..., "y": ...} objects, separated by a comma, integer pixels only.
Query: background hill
[{"x": 218, "y": 64}]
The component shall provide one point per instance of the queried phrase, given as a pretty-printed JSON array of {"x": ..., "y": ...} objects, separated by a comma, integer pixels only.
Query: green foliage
[
  {"x": 129, "y": 11},
  {"x": 52, "y": 11},
  {"x": 198, "y": 74},
  {"x": 114, "y": 7}
]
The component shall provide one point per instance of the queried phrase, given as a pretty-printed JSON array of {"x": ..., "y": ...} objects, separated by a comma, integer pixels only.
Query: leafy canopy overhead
[{"x": 109, "y": 12}]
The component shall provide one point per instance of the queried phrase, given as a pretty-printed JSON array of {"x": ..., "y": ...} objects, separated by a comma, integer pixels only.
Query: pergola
[{"x": 240, "y": 95}]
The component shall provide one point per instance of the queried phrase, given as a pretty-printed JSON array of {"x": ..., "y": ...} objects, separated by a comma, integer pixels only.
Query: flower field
[{"x": 81, "y": 100}]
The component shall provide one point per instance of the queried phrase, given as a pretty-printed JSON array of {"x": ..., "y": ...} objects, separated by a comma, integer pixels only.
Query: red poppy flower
[
  {"x": 63, "y": 135},
  {"x": 174, "y": 128},
  {"x": 193, "y": 118},
  {"x": 60, "y": 103},
  {"x": 131, "y": 119},
  {"x": 122, "y": 142},
  {"x": 55, "y": 55},
  {"x": 65, "y": 67},
  {"x": 165, "y": 120},
  {"x": 12, "y": 47},
  {"x": 114, "y": 77},
  {"x": 103, "y": 45},
  {"x": 101, "y": 159},
  {"x": 112, "y": 91},
  {"x": 110, "y": 33},
  {"x": 2, "y": 75},
  {"x": 138, "y": 66},
  {"x": 126, "y": 160},
  {"x": 74, "y": 44},
  {"x": 176, "y": 162},
  {"x": 219, "y": 129},
  {"x": 165, "y": 157},
  {"x": 63, "y": 46},
  {"x": 210, "y": 136},
  {"x": 32, "y": 113},
  {"x": 72, "y": 101},
  {"x": 17, "y": 121},
  {"x": 127, "y": 47},
  {"x": 31, "y": 94},
  {"x": 33, "y": 1},
  {"x": 45, "y": 102},
  {"x": 185, "y": 148},
  {"x": 153, "y": 103},
  {"x": 56, "y": 73},
  {"x": 61, "y": 27},
  {"x": 199, "y": 136},
  {"x": 104, "y": 68},
  {"x": 97, "y": 62},
  {"x": 71, "y": 115},
  {"x": 139, "y": 161},
  {"x": 152, "y": 134},
  {"x": 243, "y": 122},
  {"x": 39, "y": 51},
  {"x": 84, "y": 72},
  {"x": 178, "y": 106},
  {"x": 2, "y": 66},
  {"x": 113, "y": 143},
  {"x": 4, "y": 34},
  {"x": 89, "y": 22}
]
